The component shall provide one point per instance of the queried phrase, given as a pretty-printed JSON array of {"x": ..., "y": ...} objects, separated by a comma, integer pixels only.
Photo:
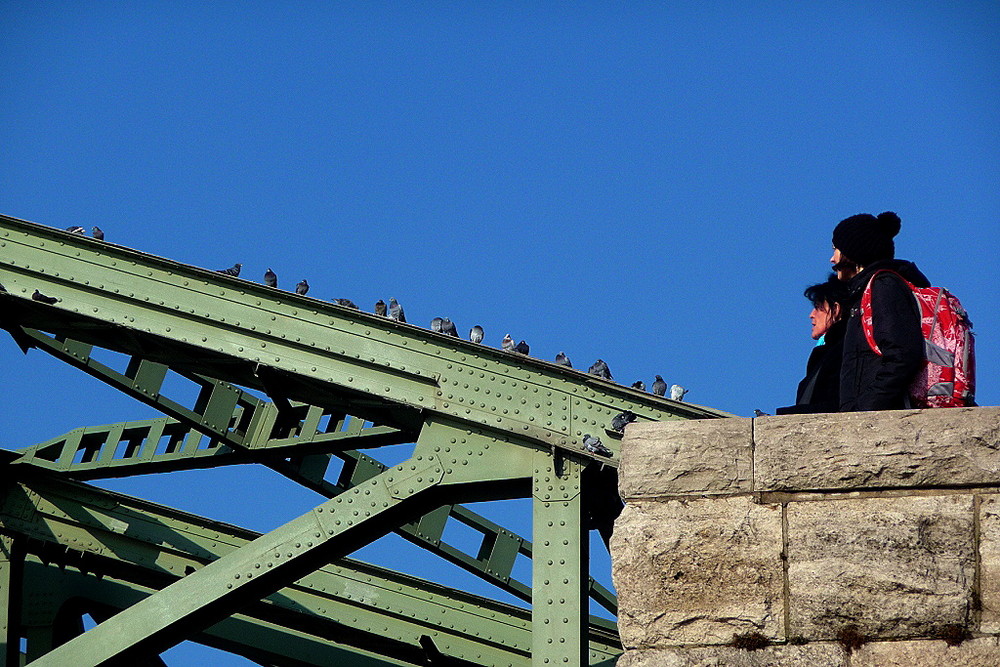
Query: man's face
[{"x": 822, "y": 318}]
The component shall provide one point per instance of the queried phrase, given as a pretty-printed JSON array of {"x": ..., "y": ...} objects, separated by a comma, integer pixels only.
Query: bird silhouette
[
  {"x": 601, "y": 370},
  {"x": 507, "y": 344},
  {"x": 76, "y": 229},
  {"x": 563, "y": 360},
  {"x": 302, "y": 288},
  {"x": 622, "y": 420},
  {"x": 448, "y": 327},
  {"x": 98, "y": 233},
  {"x": 346, "y": 303},
  {"x": 436, "y": 324},
  {"x": 233, "y": 270},
  {"x": 677, "y": 392},
  {"x": 522, "y": 348},
  {"x": 659, "y": 386},
  {"x": 38, "y": 296},
  {"x": 594, "y": 445},
  {"x": 476, "y": 334},
  {"x": 396, "y": 310},
  {"x": 270, "y": 278},
  {"x": 640, "y": 385},
  {"x": 380, "y": 308}
]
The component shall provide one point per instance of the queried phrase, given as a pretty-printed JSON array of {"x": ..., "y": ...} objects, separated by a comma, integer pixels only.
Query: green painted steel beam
[
  {"x": 311, "y": 349},
  {"x": 446, "y": 458},
  {"x": 266, "y": 642},
  {"x": 11, "y": 572},
  {"x": 104, "y": 532},
  {"x": 247, "y": 435}
]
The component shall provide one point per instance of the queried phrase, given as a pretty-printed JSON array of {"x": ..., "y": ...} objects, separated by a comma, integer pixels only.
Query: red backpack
[{"x": 948, "y": 377}]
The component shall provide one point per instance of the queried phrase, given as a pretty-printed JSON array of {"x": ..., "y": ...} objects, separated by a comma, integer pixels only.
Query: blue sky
[{"x": 643, "y": 182}]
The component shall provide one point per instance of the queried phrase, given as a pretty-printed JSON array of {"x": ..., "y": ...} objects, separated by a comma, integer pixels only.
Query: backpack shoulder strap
[{"x": 866, "y": 308}]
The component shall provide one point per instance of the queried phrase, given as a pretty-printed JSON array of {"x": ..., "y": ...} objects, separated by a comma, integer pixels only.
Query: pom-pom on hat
[{"x": 865, "y": 238}]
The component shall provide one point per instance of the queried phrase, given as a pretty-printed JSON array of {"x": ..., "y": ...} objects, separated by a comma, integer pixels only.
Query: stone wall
[{"x": 824, "y": 540}]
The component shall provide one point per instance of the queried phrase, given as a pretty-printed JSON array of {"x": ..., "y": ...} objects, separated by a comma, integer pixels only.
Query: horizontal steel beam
[{"x": 133, "y": 301}]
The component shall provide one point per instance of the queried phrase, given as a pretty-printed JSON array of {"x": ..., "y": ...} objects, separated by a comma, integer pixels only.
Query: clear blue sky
[{"x": 649, "y": 184}]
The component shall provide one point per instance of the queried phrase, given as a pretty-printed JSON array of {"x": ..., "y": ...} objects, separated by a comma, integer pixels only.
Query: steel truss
[{"x": 485, "y": 425}]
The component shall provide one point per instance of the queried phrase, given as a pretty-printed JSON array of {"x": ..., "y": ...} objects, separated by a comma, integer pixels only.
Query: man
[
  {"x": 863, "y": 254},
  {"x": 819, "y": 390}
]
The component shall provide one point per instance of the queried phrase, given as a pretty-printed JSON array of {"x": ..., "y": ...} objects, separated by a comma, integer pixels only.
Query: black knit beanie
[{"x": 865, "y": 238}]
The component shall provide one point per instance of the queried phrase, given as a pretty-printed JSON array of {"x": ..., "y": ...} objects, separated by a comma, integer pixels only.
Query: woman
[{"x": 819, "y": 390}]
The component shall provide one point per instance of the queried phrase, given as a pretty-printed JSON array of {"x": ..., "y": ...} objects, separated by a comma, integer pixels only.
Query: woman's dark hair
[{"x": 831, "y": 292}]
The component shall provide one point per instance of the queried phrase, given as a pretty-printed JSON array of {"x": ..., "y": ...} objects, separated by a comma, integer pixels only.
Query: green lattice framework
[{"x": 485, "y": 425}]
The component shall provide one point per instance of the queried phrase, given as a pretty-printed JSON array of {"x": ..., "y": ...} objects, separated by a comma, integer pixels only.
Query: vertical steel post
[
  {"x": 11, "y": 571},
  {"x": 560, "y": 564}
]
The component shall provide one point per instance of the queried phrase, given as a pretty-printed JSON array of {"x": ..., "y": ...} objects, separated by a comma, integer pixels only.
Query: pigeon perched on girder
[
  {"x": 594, "y": 445},
  {"x": 396, "y": 310},
  {"x": 563, "y": 360},
  {"x": 98, "y": 233},
  {"x": 380, "y": 308},
  {"x": 677, "y": 392},
  {"x": 436, "y": 324},
  {"x": 476, "y": 334},
  {"x": 38, "y": 296},
  {"x": 522, "y": 348},
  {"x": 233, "y": 270},
  {"x": 601, "y": 370},
  {"x": 760, "y": 413},
  {"x": 622, "y": 420},
  {"x": 270, "y": 278},
  {"x": 640, "y": 385},
  {"x": 659, "y": 386},
  {"x": 302, "y": 288},
  {"x": 346, "y": 303},
  {"x": 76, "y": 229},
  {"x": 448, "y": 327},
  {"x": 507, "y": 344}
]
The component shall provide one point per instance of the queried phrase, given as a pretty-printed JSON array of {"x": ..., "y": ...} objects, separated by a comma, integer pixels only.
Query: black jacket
[
  {"x": 869, "y": 381},
  {"x": 819, "y": 390}
]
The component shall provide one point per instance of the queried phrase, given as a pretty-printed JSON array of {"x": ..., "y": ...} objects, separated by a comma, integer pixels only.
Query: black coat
[
  {"x": 819, "y": 390},
  {"x": 869, "y": 381}
]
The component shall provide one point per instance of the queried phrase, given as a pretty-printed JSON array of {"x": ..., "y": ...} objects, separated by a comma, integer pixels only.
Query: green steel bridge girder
[
  {"x": 288, "y": 552},
  {"x": 103, "y": 535},
  {"x": 311, "y": 350}
]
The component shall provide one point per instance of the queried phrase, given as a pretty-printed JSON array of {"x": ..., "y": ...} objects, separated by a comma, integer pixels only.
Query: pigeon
[
  {"x": 476, "y": 334},
  {"x": 677, "y": 392},
  {"x": 563, "y": 360},
  {"x": 396, "y": 310},
  {"x": 270, "y": 278},
  {"x": 659, "y": 386},
  {"x": 594, "y": 446},
  {"x": 76, "y": 229},
  {"x": 640, "y": 385},
  {"x": 622, "y": 420},
  {"x": 234, "y": 270},
  {"x": 760, "y": 413},
  {"x": 380, "y": 308},
  {"x": 346, "y": 303},
  {"x": 302, "y": 288},
  {"x": 38, "y": 296},
  {"x": 507, "y": 344},
  {"x": 601, "y": 370},
  {"x": 436, "y": 324},
  {"x": 448, "y": 327},
  {"x": 98, "y": 233},
  {"x": 522, "y": 348}
]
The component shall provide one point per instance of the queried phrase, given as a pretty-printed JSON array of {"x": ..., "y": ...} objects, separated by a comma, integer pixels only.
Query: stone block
[
  {"x": 697, "y": 571},
  {"x": 984, "y": 652},
  {"x": 989, "y": 562},
  {"x": 812, "y": 655},
  {"x": 704, "y": 456},
  {"x": 895, "y": 567},
  {"x": 898, "y": 448}
]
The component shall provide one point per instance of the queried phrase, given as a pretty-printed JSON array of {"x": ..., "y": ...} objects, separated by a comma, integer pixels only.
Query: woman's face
[
  {"x": 844, "y": 267},
  {"x": 822, "y": 317}
]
